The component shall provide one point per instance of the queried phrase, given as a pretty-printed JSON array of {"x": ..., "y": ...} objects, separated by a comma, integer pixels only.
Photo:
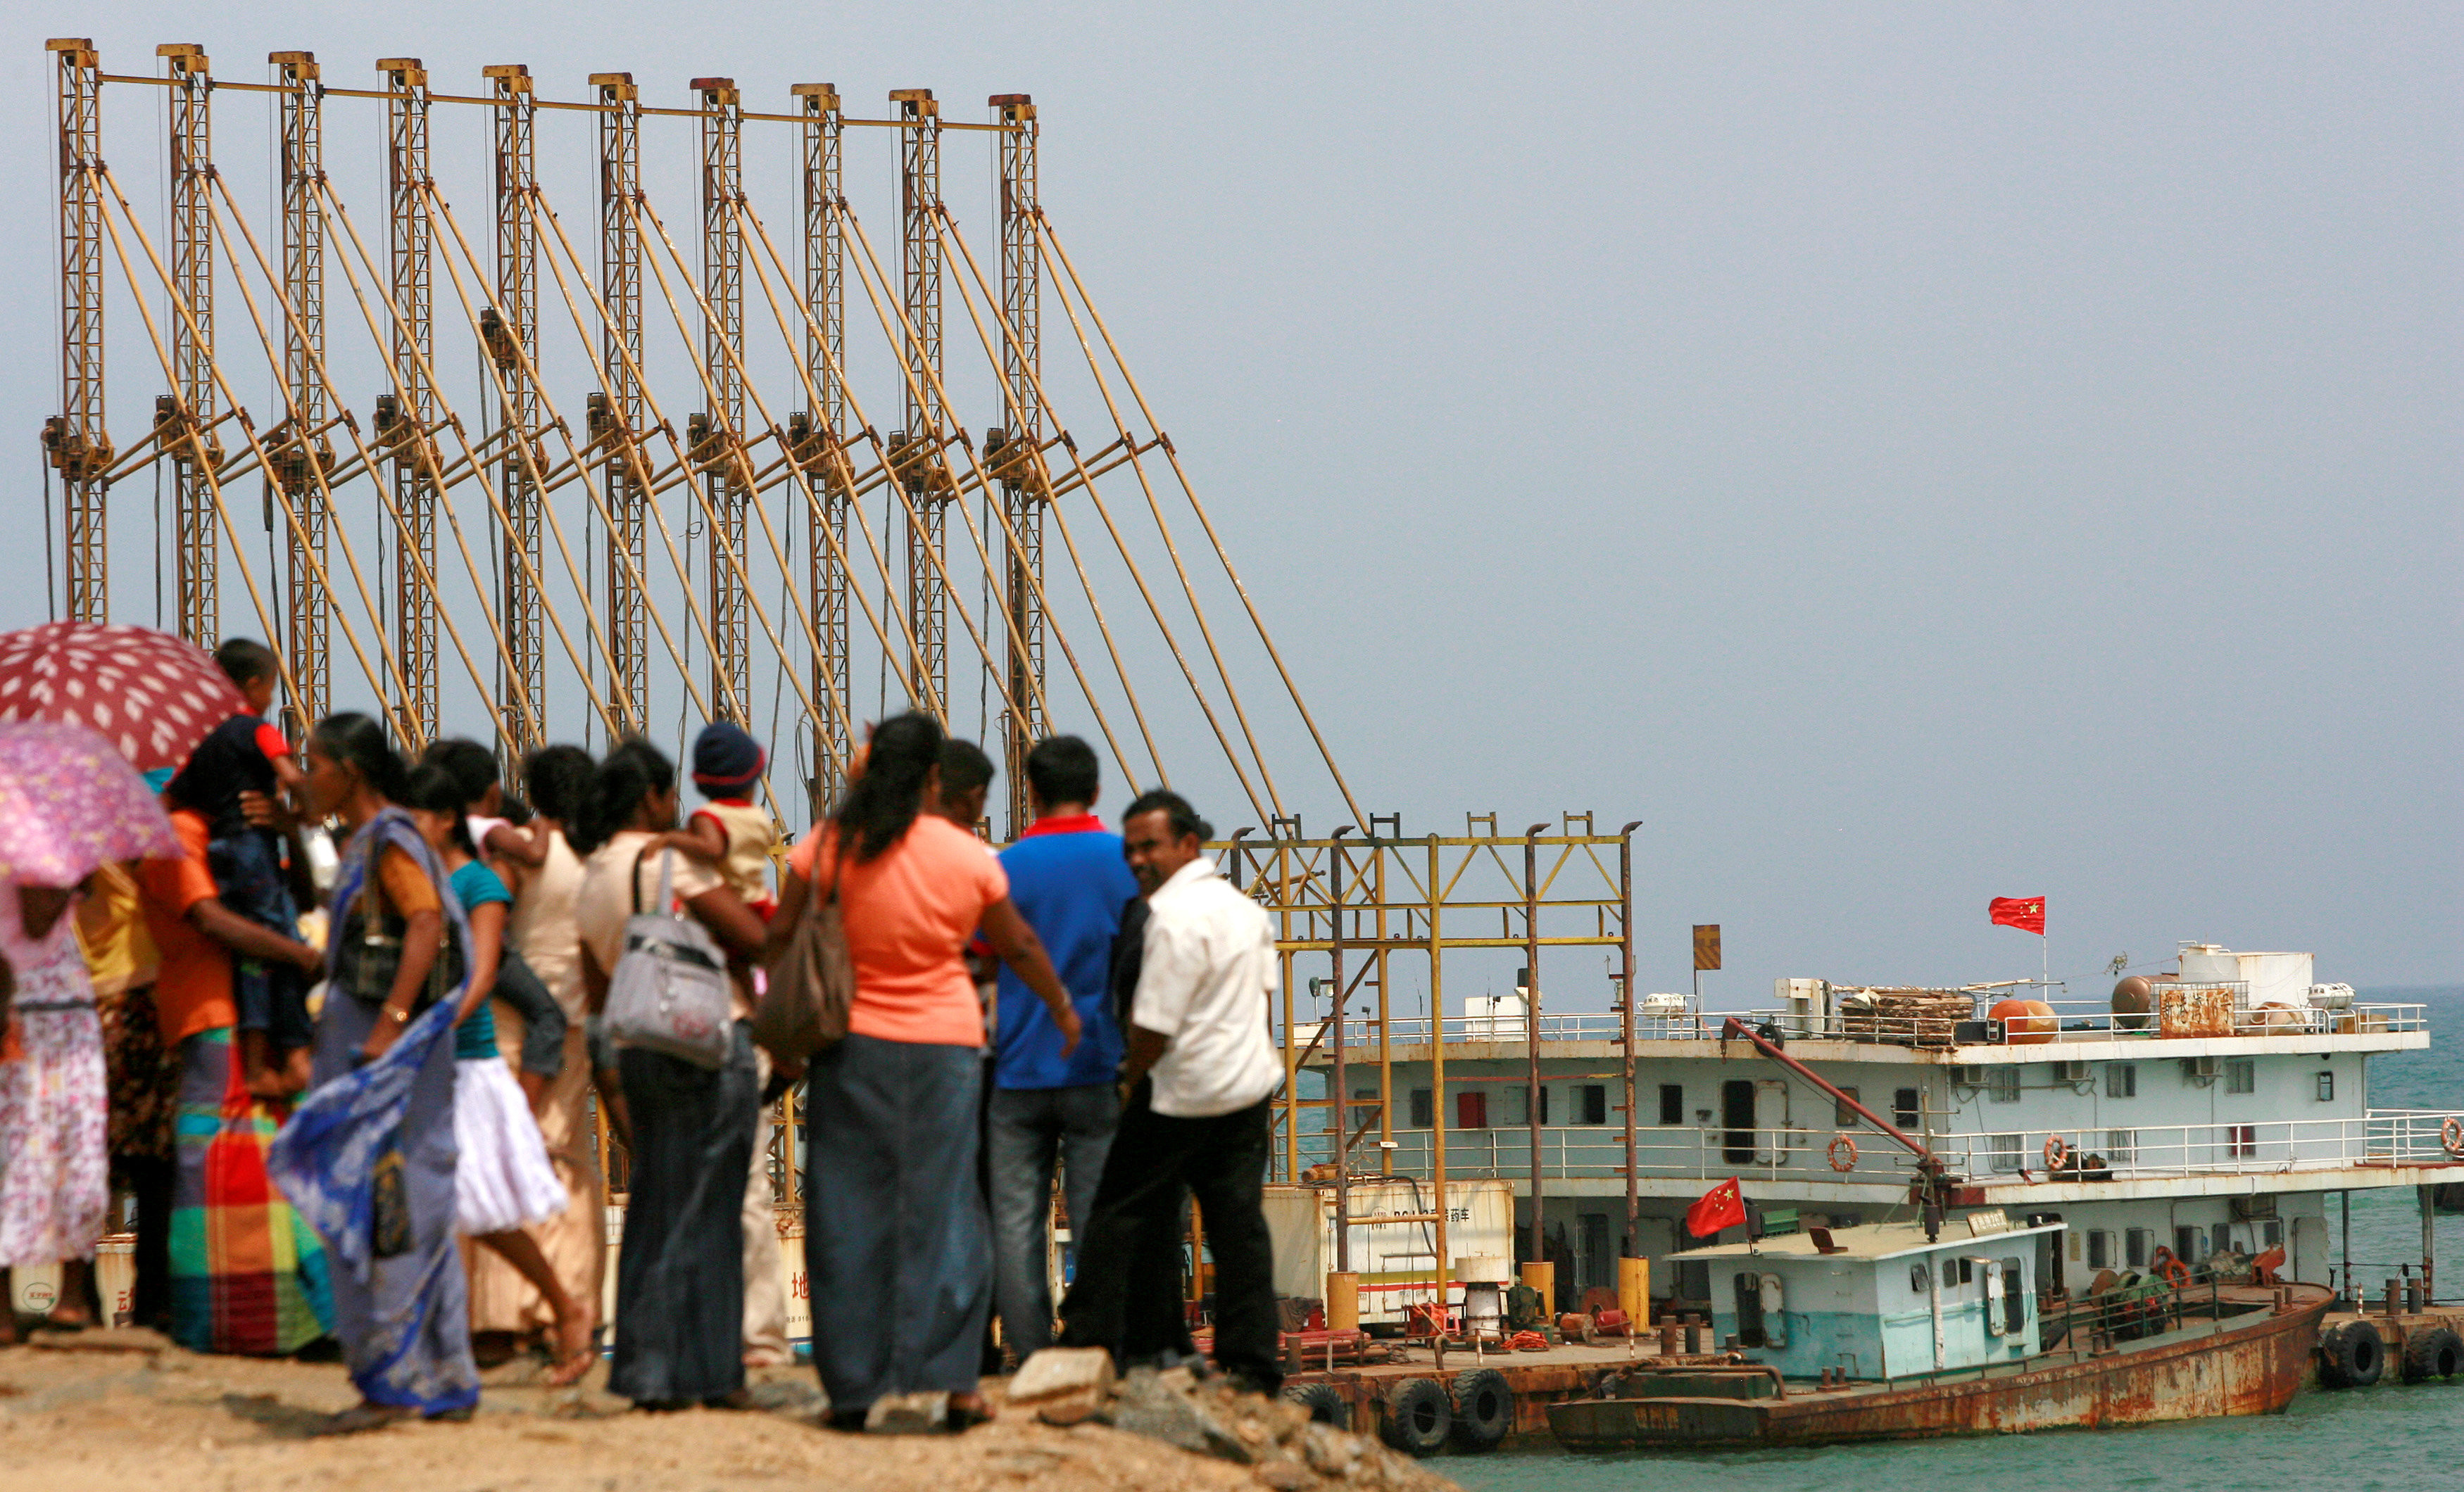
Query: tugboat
[{"x": 1880, "y": 1332}]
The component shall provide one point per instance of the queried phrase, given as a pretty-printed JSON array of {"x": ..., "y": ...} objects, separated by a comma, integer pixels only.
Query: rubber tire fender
[
  {"x": 2435, "y": 1354},
  {"x": 1418, "y": 1416},
  {"x": 2352, "y": 1355},
  {"x": 1483, "y": 1409},
  {"x": 1323, "y": 1401}
]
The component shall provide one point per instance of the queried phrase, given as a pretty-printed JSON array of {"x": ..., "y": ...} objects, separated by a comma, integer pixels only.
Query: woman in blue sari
[{"x": 381, "y": 1149}]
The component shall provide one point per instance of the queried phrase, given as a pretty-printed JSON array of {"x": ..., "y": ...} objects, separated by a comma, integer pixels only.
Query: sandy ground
[{"x": 123, "y": 1412}]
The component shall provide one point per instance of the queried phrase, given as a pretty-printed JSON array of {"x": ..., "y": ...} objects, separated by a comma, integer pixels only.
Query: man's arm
[
  {"x": 240, "y": 935},
  {"x": 1146, "y": 1049}
]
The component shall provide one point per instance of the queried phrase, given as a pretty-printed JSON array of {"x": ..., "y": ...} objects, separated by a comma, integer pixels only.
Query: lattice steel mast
[
  {"x": 821, "y": 445},
  {"x": 1016, "y": 449},
  {"x": 616, "y": 422},
  {"x": 404, "y": 421},
  {"x": 917, "y": 450},
  {"x": 302, "y": 172},
  {"x": 717, "y": 444},
  {"x": 186, "y": 420},
  {"x": 74, "y": 440},
  {"x": 512, "y": 334}
]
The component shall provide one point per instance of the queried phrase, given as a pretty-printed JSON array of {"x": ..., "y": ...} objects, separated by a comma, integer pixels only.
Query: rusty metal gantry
[
  {"x": 401, "y": 586},
  {"x": 1383, "y": 894}
]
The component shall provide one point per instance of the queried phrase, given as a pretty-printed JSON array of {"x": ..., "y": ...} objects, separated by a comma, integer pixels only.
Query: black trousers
[{"x": 1127, "y": 1293}]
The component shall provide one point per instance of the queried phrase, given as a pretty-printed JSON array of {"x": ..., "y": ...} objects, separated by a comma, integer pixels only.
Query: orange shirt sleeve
[
  {"x": 408, "y": 889},
  {"x": 174, "y": 885}
]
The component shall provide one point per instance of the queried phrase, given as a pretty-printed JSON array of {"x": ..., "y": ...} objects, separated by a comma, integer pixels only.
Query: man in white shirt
[{"x": 1202, "y": 1070}]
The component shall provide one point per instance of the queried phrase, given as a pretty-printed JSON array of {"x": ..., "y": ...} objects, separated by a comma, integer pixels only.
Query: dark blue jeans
[
  {"x": 1027, "y": 1130},
  {"x": 247, "y": 879}
]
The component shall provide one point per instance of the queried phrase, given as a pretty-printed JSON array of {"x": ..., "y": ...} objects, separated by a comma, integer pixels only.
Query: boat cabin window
[
  {"x": 1672, "y": 1102},
  {"x": 1749, "y": 1309},
  {"x": 1591, "y": 1104},
  {"x": 1967, "y": 1272},
  {"x": 2121, "y": 1080},
  {"x": 2006, "y": 1151},
  {"x": 1513, "y": 1109},
  {"x": 2015, "y": 1297},
  {"x": 2100, "y": 1249},
  {"x": 2270, "y": 1232},
  {"x": 1471, "y": 1110},
  {"x": 2190, "y": 1245},
  {"x": 2241, "y": 1075},
  {"x": 1737, "y": 1113},
  {"x": 2121, "y": 1145},
  {"x": 2326, "y": 1087},
  {"x": 1908, "y": 1108},
  {"x": 2136, "y": 1245},
  {"x": 1919, "y": 1278},
  {"x": 1842, "y": 1114},
  {"x": 2002, "y": 1085},
  {"x": 2220, "y": 1238},
  {"x": 1424, "y": 1113}
]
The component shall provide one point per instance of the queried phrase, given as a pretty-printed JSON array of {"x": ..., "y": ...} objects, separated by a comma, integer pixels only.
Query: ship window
[
  {"x": 1967, "y": 1272},
  {"x": 1908, "y": 1108},
  {"x": 2272, "y": 1233},
  {"x": 2135, "y": 1247},
  {"x": 1471, "y": 1110},
  {"x": 2002, "y": 1085},
  {"x": 1672, "y": 1102},
  {"x": 1591, "y": 1104},
  {"x": 2242, "y": 1139},
  {"x": 2015, "y": 1297},
  {"x": 1513, "y": 1107},
  {"x": 2221, "y": 1238},
  {"x": 2121, "y": 1080},
  {"x": 2190, "y": 1245},
  {"x": 2006, "y": 1151},
  {"x": 2241, "y": 1076},
  {"x": 2326, "y": 1087},
  {"x": 1424, "y": 1111},
  {"x": 1544, "y": 1105},
  {"x": 1919, "y": 1278},
  {"x": 2120, "y": 1147},
  {"x": 1749, "y": 1309},
  {"x": 1842, "y": 1114},
  {"x": 2100, "y": 1249}
]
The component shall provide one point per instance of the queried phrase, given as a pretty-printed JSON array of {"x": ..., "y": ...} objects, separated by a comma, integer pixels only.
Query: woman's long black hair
[
  {"x": 559, "y": 780},
  {"x": 355, "y": 742},
  {"x": 433, "y": 787},
  {"x": 633, "y": 770},
  {"x": 882, "y": 804}
]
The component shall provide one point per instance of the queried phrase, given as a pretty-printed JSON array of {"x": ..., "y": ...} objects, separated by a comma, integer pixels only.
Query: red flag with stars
[
  {"x": 1723, "y": 1206},
  {"x": 2027, "y": 913}
]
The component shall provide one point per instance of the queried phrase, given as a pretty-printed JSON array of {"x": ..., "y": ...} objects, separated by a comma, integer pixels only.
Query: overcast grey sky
[{"x": 1904, "y": 454}]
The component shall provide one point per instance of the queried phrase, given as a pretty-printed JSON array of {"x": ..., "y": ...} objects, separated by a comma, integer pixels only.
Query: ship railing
[
  {"x": 2072, "y": 1020},
  {"x": 1855, "y": 1156}
]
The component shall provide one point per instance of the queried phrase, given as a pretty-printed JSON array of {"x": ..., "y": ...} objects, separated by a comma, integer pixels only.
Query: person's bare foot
[
  {"x": 967, "y": 1410},
  {"x": 574, "y": 1352}
]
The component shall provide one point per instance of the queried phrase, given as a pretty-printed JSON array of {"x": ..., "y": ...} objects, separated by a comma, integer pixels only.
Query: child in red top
[
  {"x": 246, "y": 754},
  {"x": 729, "y": 832}
]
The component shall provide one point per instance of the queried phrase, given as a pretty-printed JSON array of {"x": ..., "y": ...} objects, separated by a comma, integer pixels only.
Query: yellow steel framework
[
  {"x": 820, "y": 444},
  {"x": 1015, "y": 450},
  {"x": 615, "y": 413},
  {"x": 921, "y": 466},
  {"x": 74, "y": 441},
  {"x": 186, "y": 417},
  {"x": 718, "y": 439},
  {"x": 407, "y": 419},
  {"x": 302, "y": 440},
  {"x": 510, "y": 331}
]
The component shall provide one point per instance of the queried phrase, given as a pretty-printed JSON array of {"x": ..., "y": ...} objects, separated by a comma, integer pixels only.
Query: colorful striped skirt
[{"x": 248, "y": 1275}]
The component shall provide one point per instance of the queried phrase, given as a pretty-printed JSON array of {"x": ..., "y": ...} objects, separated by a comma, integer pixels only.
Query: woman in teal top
[{"x": 503, "y": 1181}]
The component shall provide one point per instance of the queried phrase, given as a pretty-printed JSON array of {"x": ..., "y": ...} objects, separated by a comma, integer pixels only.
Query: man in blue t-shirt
[{"x": 1068, "y": 879}]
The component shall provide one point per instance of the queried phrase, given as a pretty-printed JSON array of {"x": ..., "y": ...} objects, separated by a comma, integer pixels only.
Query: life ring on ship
[
  {"x": 1841, "y": 1153},
  {"x": 2450, "y": 1137},
  {"x": 2169, "y": 1270},
  {"x": 2056, "y": 1152}
]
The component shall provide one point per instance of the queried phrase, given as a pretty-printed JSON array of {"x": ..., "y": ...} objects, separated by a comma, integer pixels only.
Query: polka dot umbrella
[{"x": 151, "y": 695}]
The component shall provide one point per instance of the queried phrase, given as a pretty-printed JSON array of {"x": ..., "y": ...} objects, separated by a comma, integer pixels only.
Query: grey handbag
[{"x": 670, "y": 990}]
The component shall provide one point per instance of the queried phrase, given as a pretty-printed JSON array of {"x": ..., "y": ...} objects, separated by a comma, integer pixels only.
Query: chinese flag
[
  {"x": 1723, "y": 1206},
  {"x": 2027, "y": 913}
]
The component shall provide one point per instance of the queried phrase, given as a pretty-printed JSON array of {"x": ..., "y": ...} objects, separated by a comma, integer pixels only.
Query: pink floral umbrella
[
  {"x": 152, "y": 695},
  {"x": 69, "y": 803}
]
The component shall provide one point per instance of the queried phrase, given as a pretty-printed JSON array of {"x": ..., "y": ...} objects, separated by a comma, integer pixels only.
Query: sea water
[{"x": 2393, "y": 1437}]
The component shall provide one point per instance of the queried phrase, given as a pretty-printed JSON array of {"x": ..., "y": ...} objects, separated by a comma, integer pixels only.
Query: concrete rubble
[{"x": 1275, "y": 1438}]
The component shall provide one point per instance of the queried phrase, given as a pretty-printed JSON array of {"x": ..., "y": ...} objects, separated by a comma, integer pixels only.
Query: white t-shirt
[{"x": 1208, "y": 980}]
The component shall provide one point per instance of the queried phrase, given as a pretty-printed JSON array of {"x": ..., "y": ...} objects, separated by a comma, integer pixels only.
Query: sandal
[{"x": 362, "y": 1417}]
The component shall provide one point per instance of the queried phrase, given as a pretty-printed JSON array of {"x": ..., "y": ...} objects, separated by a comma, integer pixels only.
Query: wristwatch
[{"x": 399, "y": 1017}]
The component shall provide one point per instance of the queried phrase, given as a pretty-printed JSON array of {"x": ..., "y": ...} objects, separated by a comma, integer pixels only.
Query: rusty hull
[{"x": 2253, "y": 1368}]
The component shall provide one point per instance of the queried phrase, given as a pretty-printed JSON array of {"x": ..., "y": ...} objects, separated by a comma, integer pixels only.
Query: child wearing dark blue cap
[{"x": 731, "y": 832}]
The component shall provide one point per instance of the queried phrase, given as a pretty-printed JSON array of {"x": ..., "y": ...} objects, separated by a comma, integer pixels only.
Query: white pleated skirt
[{"x": 503, "y": 1179}]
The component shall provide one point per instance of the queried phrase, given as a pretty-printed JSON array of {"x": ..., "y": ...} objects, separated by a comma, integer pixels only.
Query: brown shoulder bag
[{"x": 804, "y": 1004}]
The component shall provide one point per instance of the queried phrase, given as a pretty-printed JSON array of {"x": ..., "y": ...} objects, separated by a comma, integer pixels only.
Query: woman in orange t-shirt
[{"x": 896, "y": 1240}]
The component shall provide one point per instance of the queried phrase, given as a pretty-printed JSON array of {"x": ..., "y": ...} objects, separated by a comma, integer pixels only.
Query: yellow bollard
[
  {"x": 1633, "y": 1291},
  {"x": 1543, "y": 1278},
  {"x": 1342, "y": 1300}
]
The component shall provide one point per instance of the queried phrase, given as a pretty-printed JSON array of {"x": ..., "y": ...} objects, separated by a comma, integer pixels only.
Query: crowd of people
[{"x": 377, "y": 1124}]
